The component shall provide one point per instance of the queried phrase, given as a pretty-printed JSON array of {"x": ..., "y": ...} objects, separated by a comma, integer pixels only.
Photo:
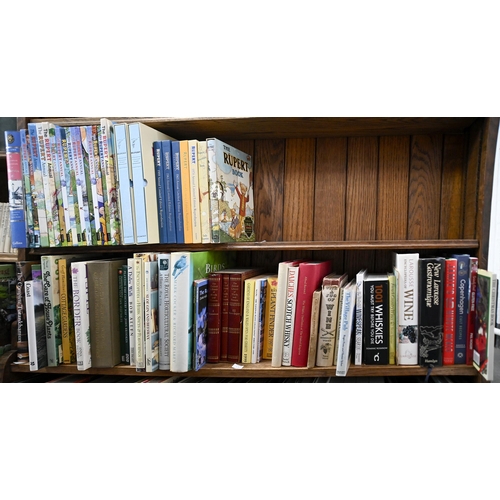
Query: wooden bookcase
[{"x": 349, "y": 189}]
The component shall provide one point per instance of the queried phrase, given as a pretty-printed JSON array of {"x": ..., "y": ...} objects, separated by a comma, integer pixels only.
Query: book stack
[{"x": 124, "y": 183}]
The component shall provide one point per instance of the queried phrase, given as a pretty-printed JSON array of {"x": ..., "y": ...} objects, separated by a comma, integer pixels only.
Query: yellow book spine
[
  {"x": 186, "y": 191},
  {"x": 67, "y": 333},
  {"x": 272, "y": 288},
  {"x": 248, "y": 308}
]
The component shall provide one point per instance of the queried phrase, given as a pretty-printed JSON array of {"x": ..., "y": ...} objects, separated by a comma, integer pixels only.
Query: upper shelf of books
[{"x": 280, "y": 127}]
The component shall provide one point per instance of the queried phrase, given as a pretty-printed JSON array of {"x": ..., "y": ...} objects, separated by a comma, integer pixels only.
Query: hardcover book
[
  {"x": 327, "y": 332},
  {"x": 103, "y": 296},
  {"x": 462, "y": 307},
  {"x": 35, "y": 321},
  {"x": 151, "y": 325},
  {"x": 60, "y": 192},
  {"x": 484, "y": 336},
  {"x": 230, "y": 172},
  {"x": 186, "y": 191},
  {"x": 204, "y": 193},
  {"x": 28, "y": 184},
  {"x": 259, "y": 319},
  {"x": 164, "y": 309},
  {"x": 392, "y": 317},
  {"x": 471, "y": 325},
  {"x": 23, "y": 273},
  {"x": 168, "y": 190},
  {"x": 177, "y": 190},
  {"x": 194, "y": 185},
  {"x": 66, "y": 310},
  {"x": 406, "y": 270},
  {"x": 248, "y": 320},
  {"x": 313, "y": 340},
  {"x": 214, "y": 317},
  {"x": 131, "y": 308},
  {"x": 200, "y": 322},
  {"x": 450, "y": 294},
  {"x": 289, "y": 313},
  {"x": 81, "y": 317},
  {"x": 123, "y": 314},
  {"x": 345, "y": 327},
  {"x": 376, "y": 319},
  {"x": 431, "y": 310},
  {"x": 87, "y": 153},
  {"x": 272, "y": 288}
]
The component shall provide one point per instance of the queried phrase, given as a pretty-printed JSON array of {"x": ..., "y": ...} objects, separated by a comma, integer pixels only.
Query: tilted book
[
  {"x": 484, "y": 336},
  {"x": 462, "y": 307},
  {"x": 345, "y": 327},
  {"x": 230, "y": 172},
  {"x": 327, "y": 328},
  {"x": 376, "y": 319},
  {"x": 431, "y": 310},
  {"x": 406, "y": 266}
]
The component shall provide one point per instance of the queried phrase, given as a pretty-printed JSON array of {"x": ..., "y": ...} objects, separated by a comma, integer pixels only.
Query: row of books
[
  {"x": 5, "y": 233},
  {"x": 119, "y": 183}
]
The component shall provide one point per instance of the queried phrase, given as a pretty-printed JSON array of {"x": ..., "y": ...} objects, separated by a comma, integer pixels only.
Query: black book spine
[
  {"x": 376, "y": 321},
  {"x": 431, "y": 311}
]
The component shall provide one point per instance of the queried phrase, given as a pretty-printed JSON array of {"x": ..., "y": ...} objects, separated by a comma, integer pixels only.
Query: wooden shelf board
[
  {"x": 273, "y": 246},
  {"x": 260, "y": 370},
  {"x": 8, "y": 257}
]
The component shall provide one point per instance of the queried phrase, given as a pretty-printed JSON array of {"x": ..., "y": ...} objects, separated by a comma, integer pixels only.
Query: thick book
[
  {"x": 471, "y": 324},
  {"x": 376, "y": 319},
  {"x": 164, "y": 309},
  {"x": 214, "y": 318},
  {"x": 17, "y": 199},
  {"x": 151, "y": 325},
  {"x": 484, "y": 336},
  {"x": 131, "y": 308},
  {"x": 124, "y": 168},
  {"x": 141, "y": 139},
  {"x": 358, "y": 334},
  {"x": 103, "y": 296},
  {"x": 431, "y": 310},
  {"x": 462, "y": 307},
  {"x": 449, "y": 319},
  {"x": 35, "y": 321},
  {"x": 289, "y": 313},
  {"x": 406, "y": 270},
  {"x": 270, "y": 315},
  {"x": 81, "y": 316},
  {"x": 345, "y": 327},
  {"x": 230, "y": 173},
  {"x": 281, "y": 302},
  {"x": 327, "y": 328},
  {"x": 311, "y": 275},
  {"x": 185, "y": 268},
  {"x": 200, "y": 322},
  {"x": 313, "y": 339}
]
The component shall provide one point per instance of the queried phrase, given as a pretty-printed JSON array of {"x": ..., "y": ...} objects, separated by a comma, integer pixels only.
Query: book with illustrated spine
[
  {"x": 29, "y": 181},
  {"x": 87, "y": 151},
  {"x": 358, "y": 334},
  {"x": 164, "y": 310},
  {"x": 204, "y": 193},
  {"x": 270, "y": 315},
  {"x": 200, "y": 322},
  {"x": 345, "y": 325}
]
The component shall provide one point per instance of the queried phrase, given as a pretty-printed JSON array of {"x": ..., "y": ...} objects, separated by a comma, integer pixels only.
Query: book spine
[
  {"x": 168, "y": 190},
  {"x": 194, "y": 184},
  {"x": 376, "y": 322},
  {"x": 121, "y": 315},
  {"x": 313, "y": 340},
  {"x": 204, "y": 193},
  {"x": 214, "y": 188},
  {"x": 140, "y": 355},
  {"x": 358, "y": 338},
  {"x": 60, "y": 198},
  {"x": 64, "y": 198},
  {"x": 344, "y": 328},
  {"x": 200, "y": 323},
  {"x": 472, "y": 310},
  {"x": 186, "y": 192},
  {"x": 98, "y": 189},
  {"x": 431, "y": 311},
  {"x": 270, "y": 317},
  {"x": 81, "y": 315},
  {"x": 235, "y": 313},
  {"x": 177, "y": 190},
  {"x": 52, "y": 309},
  {"x": 22, "y": 333},
  {"x": 32, "y": 242},
  {"x": 327, "y": 330},
  {"x": 31, "y": 189},
  {"x": 89, "y": 174},
  {"x": 17, "y": 203},
  {"x": 160, "y": 192},
  {"x": 450, "y": 294},
  {"x": 261, "y": 319},
  {"x": 214, "y": 318},
  {"x": 151, "y": 332},
  {"x": 108, "y": 164},
  {"x": 290, "y": 306},
  {"x": 408, "y": 304},
  {"x": 279, "y": 321},
  {"x": 35, "y": 336},
  {"x": 248, "y": 320},
  {"x": 141, "y": 222},
  {"x": 104, "y": 215},
  {"x": 462, "y": 307},
  {"x": 68, "y": 347},
  {"x": 392, "y": 318},
  {"x": 38, "y": 191},
  {"x": 164, "y": 309},
  {"x": 224, "y": 332},
  {"x": 131, "y": 309}
]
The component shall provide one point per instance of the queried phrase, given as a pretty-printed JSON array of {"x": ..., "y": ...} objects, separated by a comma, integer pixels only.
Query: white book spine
[
  {"x": 291, "y": 301},
  {"x": 164, "y": 309},
  {"x": 358, "y": 340},
  {"x": 30, "y": 324},
  {"x": 140, "y": 355},
  {"x": 81, "y": 316},
  {"x": 131, "y": 322},
  {"x": 195, "y": 190},
  {"x": 345, "y": 324},
  {"x": 279, "y": 316}
]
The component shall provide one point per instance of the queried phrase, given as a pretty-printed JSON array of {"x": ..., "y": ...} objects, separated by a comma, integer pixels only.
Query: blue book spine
[
  {"x": 27, "y": 190},
  {"x": 160, "y": 196},
  {"x": 168, "y": 185},
  {"x": 177, "y": 188},
  {"x": 126, "y": 203},
  {"x": 462, "y": 307},
  {"x": 18, "y": 225},
  {"x": 141, "y": 223}
]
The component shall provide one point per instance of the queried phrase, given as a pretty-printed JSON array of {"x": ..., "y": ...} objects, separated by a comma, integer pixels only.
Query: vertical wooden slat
[
  {"x": 471, "y": 179},
  {"x": 298, "y": 196},
  {"x": 330, "y": 196},
  {"x": 452, "y": 191},
  {"x": 425, "y": 187},
  {"x": 361, "y": 200},
  {"x": 269, "y": 178}
]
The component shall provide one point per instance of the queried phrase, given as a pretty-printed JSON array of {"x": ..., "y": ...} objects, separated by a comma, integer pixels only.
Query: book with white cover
[
  {"x": 37, "y": 345},
  {"x": 345, "y": 327},
  {"x": 141, "y": 138},
  {"x": 164, "y": 309},
  {"x": 358, "y": 333}
]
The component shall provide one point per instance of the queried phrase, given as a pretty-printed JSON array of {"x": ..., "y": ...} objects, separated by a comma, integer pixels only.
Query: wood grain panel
[
  {"x": 471, "y": 179},
  {"x": 425, "y": 186},
  {"x": 452, "y": 190},
  {"x": 361, "y": 199}
]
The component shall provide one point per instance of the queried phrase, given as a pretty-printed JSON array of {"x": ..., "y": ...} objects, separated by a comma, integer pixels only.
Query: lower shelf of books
[{"x": 262, "y": 370}]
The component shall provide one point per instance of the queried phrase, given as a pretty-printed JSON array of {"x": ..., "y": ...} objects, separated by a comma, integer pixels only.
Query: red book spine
[
  {"x": 214, "y": 317},
  {"x": 471, "y": 325},
  {"x": 234, "y": 318},
  {"x": 450, "y": 297},
  {"x": 224, "y": 318},
  {"x": 311, "y": 275}
]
